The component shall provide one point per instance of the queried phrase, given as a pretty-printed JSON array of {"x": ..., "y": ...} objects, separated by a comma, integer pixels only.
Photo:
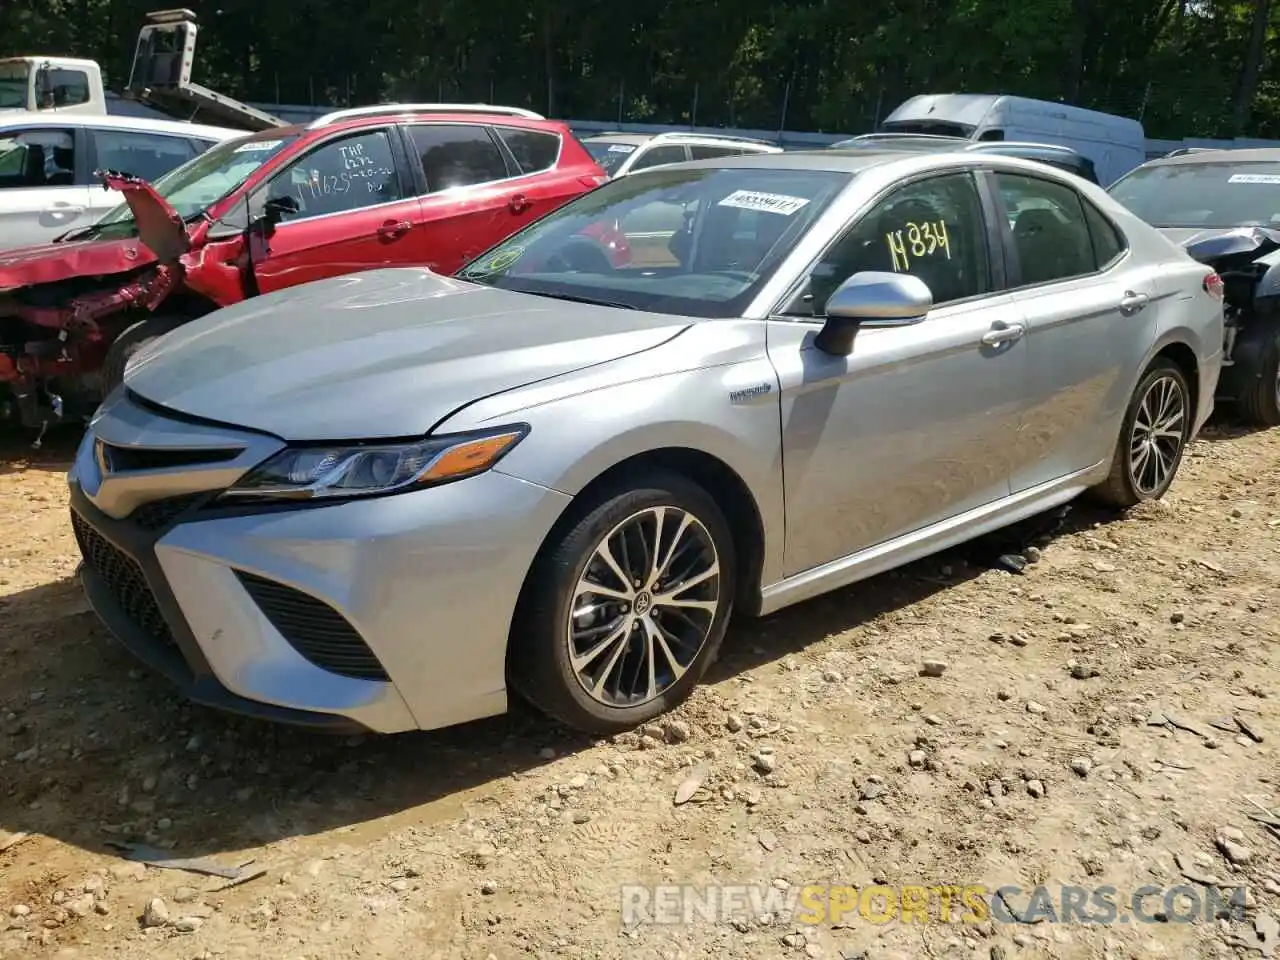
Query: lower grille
[
  {"x": 158, "y": 514},
  {"x": 123, "y": 577},
  {"x": 313, "y": 628}
]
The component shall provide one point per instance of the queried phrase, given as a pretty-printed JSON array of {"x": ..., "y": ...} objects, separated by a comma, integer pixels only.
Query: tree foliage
[{"x": 1184, "y": 67}]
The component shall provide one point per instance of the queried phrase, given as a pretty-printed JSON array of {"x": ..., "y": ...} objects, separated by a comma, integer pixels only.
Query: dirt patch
[{"x": 1092, "y": 723}]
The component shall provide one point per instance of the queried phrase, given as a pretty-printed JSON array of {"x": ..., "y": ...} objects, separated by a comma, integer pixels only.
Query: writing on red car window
[
  {"x": 764, "y": 202},
  {"x": 916, "y": 241},
  {"x": 353, "y": 157}
]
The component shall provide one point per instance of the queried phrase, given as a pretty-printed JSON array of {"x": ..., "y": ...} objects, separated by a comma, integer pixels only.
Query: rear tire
[
  {"x": 603, "y": 662},
  {"x": 132, "y": 339},
  {"x": 1153, "y": 437},
  {"x": 1260, "y": 399}
]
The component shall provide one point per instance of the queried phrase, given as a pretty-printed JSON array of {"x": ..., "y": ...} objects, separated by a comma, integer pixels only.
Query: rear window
[
  {"x": 1203, "y": 195},
  {"x": 608, "y": 154},
  {"x": 534, "y": 150}
]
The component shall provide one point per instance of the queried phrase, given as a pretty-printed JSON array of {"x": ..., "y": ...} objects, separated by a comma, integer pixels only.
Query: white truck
[{"x": 160, "y": 78}]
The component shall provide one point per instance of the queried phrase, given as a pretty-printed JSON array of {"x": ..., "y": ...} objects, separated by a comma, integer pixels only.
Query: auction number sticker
[
  {"x": 257, "y": 146},
  {"x": 1254, "y": 178},
  {"x": 763, "y": 202},
  {"x": 621, "y": 148}
]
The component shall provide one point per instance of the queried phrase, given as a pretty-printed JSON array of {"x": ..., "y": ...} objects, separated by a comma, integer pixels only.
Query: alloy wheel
[
  {"x": 644, "y": 606},
  {"x": 1155, "y": 442}
]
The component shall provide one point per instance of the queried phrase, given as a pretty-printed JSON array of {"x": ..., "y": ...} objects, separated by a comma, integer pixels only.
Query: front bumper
[{"x": 383, "y": 615}]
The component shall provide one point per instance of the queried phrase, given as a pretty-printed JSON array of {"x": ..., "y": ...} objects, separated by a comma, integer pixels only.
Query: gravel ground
[{"x": 1107, "y": 718}]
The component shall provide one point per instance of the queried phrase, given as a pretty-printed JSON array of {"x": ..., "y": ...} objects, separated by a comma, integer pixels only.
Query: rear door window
[
  {"x": 457, "y": 155},
  {"x": 658, "y": 156},
  {"x": 1050, "y": 234},
  {"x": 707, "y": 152},
  {"x": 146, "y": 155}
]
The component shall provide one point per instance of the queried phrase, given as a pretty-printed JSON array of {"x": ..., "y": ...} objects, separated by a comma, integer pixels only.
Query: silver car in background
[{"x": 384, "y": 501}]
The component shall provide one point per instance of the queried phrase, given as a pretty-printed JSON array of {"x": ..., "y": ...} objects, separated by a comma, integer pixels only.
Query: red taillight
[{"x": 1213, "y": 286}]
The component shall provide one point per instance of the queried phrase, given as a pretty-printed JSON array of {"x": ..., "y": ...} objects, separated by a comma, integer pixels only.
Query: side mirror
[
  {"x": 277, "y": 208},
  {"x": 871, "y": 299}
]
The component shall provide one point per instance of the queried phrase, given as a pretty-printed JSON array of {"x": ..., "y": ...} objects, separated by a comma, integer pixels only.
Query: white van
[{"x": 1115, "y": 144}]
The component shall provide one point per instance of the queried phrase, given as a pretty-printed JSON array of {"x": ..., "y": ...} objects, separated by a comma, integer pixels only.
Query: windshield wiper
[{"x": 578, "y": 299}]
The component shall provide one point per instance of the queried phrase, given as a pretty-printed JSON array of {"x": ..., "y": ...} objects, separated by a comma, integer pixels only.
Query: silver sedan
[{"x": 388, "y": 501}]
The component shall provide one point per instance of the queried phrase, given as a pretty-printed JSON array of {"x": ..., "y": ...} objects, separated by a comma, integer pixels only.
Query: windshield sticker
[
  {"x": 917, "y": 241},
  {"x": 621, "y": 148},
  {"x": 763, "y": 202},
  {"x": 1254, "y": 178},
  {"x": 502, "y": 260},
  {"x": 257, "y": 146}
]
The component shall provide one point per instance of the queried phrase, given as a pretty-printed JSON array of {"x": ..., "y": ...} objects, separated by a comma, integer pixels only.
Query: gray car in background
[
  {"x": 386, "y": 500},
  {"x": 1223, "y": 207}
]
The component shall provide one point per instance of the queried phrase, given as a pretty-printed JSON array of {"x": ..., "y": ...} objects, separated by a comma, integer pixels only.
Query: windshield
[
  {"x": 199, "y": 183},
  {"x": 946, "y": 128},
  {"x": 1231, "y": 194},
  {"x": 609, "y": 154},
  {"x": 691, "y": 242},
  {"x": 13, "y": 85},
  {"x": 905, "y": 142}
]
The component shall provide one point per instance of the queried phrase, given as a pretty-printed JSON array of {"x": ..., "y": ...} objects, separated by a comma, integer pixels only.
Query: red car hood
[
  {"x": 50, "y": 262},
  {"x": 160, "y": 226},
  {"x": 162, "y": 235}
]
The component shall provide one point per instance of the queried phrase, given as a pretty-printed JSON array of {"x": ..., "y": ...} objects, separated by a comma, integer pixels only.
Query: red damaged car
[{"x": 355, "y": 190}]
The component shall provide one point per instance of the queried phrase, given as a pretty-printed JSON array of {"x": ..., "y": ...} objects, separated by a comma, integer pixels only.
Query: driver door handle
[
  {"x": 519, "y": 203},
  {"x": 1004, "y": 334},
  {"x": 64, "y": 210},
  {"x": 392, "y": 229},
  {"x": 1132, "y": 302}
]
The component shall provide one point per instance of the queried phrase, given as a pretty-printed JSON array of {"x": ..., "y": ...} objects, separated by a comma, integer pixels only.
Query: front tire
[
  {"x": 132, "y": 339},
  {"x": 1260, "y": 399},
  {"x": 1153, "y": 437},
  {"x": 626, "y": 608}
]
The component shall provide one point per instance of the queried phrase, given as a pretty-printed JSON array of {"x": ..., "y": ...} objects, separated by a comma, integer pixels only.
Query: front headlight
[{"x": 368, "y": 469}]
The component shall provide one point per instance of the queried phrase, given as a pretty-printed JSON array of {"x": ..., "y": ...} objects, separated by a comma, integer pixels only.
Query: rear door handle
[
  {"x": 1132, "y": 302},
  {"x": 519, "y": 203},
  {"x": 1004, "y": 334},
  {"x": 64, "y": 210},
  {"x": 394, "y": 228}
]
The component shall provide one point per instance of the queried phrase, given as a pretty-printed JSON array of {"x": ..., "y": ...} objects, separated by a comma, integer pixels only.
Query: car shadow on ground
[
  {"x": 95, "y": 748},
  {"x": 1222, "y": 427}
]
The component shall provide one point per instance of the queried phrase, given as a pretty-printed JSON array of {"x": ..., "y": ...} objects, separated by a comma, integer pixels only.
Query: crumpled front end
[{"x": 62, "y": 304}]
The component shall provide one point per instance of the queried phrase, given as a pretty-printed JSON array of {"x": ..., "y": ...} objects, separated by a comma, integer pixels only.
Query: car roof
[
  {"x": 1254, "y": 155},
  {"x": 925, "y": 142},
  {"x": 632, "y": 138},
  {"x": 857, "y": 161},
  {"x": 115, "y": 122},
  {"x": 677, "y": 136},
  {"x": 355, "y": 123}
]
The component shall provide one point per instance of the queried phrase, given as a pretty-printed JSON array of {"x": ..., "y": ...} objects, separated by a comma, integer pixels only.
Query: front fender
[{"x": 729, "y": 411}]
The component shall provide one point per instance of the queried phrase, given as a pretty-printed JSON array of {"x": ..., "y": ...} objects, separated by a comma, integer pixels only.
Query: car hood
[
  {"x": 1181, "y": 235},
  {"x": 160, "y": 227},
  {"x": 51, "y": 262},
  {"x": 388, "y": 353}
]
